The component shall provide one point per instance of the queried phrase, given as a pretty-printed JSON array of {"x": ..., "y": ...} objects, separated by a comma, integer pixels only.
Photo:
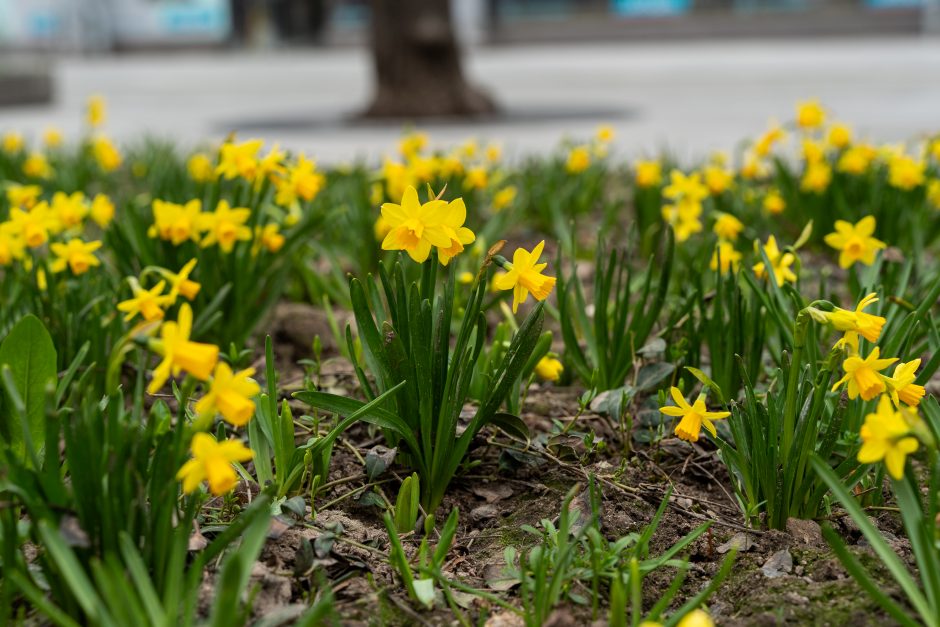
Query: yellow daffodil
[
  {"x": 412, "y": 143},
  {"x": 180, "y": 283},
  {"x": 765, "y": 144},
  {"x": 816, "y": 177},
  {"x": 885, "y": 436},
  {"x": 839, "y": 136},
  {"x": 648, "y": 173},
  {"x": 12, "y": 142},
  {"x": 579, "y": 158},
  {"x": 865, "y": 324},
  {"x": 200, "y": 168},
  {"x": 52, "y": 137},
  {"x": 37, "y": 166},
  {"x": 76, "y": 255},
  {"x": 856, "y": 159},
  {"x": 810, "y": 114},
  {"x": 176, "y": 223},
  {"x": 684, "y": 218},
  {"x": 685, "y": 188},
  {"x": 605, "y": 133},
  {"x": 230, "y": 394},
  {"x": 725, "y": 258},
  {"x": 694, "y": 416},
  {"x": 268, "y": 237},
  {"x": 465, "y": 278},
  {"x": 95, "y": 111},
  {"x": 179, "y": 353},
  {"x": 727, "y": 227},
  {"x": 225, "y": 226},
  {"x": 774, "y": 203},
  {"x": 524, "y": 275},
  {"x": 11, "y": 245},
  {"x": 780, "y": 263},
  {"x": 148, "y": 303},
  {"x": 493, "y": 153},
  {"x": 106, "y": 154},
  {"x": 33, "y": 226},
  {"x": 504, "y": 197},
  {"x": 863, "y": 376},
  {"x": 415, "y": 227},
  {"x": 549, "y": 368},
  {"x": 753, "y": 168},
  {"x": 69, "y": 209},
  {"x": 901, "y": 385},
  {"x": 23, "y": 196},
  {"x": 239, "y": 160},
  {"x": 212, "y": 462},
  {"x": 813, "y": 151},
  {"x": 696, "y": 618},
  {"x": 717, "y": 179},
  {"x": 475, "y": 178},
  {"x": 905, "y": 172},
  {"x": 855, "y": 242},
  {"x": 933, "y": 193},
  {"x": 302, "y": 182},
  {"x": 271, "y": 166},
  {"x": 102, "y": 210},
  {"x": 455, "y": 214}
]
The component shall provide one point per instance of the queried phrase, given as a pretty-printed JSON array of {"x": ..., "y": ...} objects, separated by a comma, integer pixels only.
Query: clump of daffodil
[
  {"x": 863, "y": 375},
  {"x": 301, "y": 182},
  {"x": 694, "y": 416},
  {"x": 725, "y": 258},
  {"x": 549, "y": 368},
  {"x": 648, "y": 173},
  {"x": 76, "y": 255},
  {"x": 905, "y": 172},
  {"x": 816, "y": 177},
  {"x": 230, "y": 394},
  {"x": 717, "y": 179},
  {"x": 579, "y": 158},
  {"x": 417, "y": 227},
  {"x": 176, "y": 223},
  {"x": 855, "y": 242},
  {"x": 727, "y": 227},
  {"x": 239, "y": 160},
  {"x": 225, "y": 226},
  {"x": 212, "y": 462},
  {"x": 33, "y": 226},
  {"x": 180, "y": 353},
  {"x": 69, "y": 210},
  {"x": 149, "y": 304},
  {"x": 810, "y": 114},
  {"x": 865, "y": 324},
  {"x": 901, "y": 386},
  {"x": 839, "y": 136},
  {"x": 886, "y": 436},
  {"x": 524, "y": 275},
  {"x": 37, "y": 166},
  {"x": 780, "y": 263},
  {"x": 23, "y": 196}
]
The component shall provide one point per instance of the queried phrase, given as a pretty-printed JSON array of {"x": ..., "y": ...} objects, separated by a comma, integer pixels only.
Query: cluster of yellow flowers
[
  {"x": 34, "y": 223},
  {"x": 887, "y": 433},
  {"x": 580, "y": 156},
  {"x": 227, "y": 393},
  {"x": 224, "y": 227}
]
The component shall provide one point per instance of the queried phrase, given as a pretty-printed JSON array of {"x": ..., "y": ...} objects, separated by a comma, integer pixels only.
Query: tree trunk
[{"x": 417, "y": 63}]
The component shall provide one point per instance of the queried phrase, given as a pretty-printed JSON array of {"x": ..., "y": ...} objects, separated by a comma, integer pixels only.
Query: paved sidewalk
[{"x": 690, "y": 97}]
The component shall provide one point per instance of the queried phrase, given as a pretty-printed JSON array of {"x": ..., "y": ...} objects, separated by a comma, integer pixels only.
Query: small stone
[
  {"x": 805, "y": 532},
  {"x": 795, "y": 599},
  {"x": 779, "y": 564},
  {"x": 740, "y": 541},
  {"x": 484, "y": 512},
  {"x": 504, "y": 619}
]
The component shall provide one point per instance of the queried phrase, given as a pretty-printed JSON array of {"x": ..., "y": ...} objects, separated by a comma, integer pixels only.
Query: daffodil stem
[{"x": 793, "y": 383}]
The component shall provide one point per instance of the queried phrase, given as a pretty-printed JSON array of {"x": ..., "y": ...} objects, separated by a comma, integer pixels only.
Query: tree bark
[{"x": 418, "y": 71}]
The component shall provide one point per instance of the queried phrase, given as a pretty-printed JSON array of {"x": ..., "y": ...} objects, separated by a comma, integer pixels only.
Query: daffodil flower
[
  {"x": 148, "y": 303},
  {"x": 76, "y": 255},
  {"x": 863, "y": 376},
  {"x": 855, "y": 242},
  {"x": 225, "y": 226},
  {"x": 212, "y": 462},
  {"x": 179, "y": 353},
  {"x": 524, "y": 275},
  {"x": 416, "y": 227},
  {"x": 865, "y": 324},
  {"x": 230, "y": 394},
  {"x": 885, "y": 436},
  {"x": 694, "y": 416},
  {"x": 780, "y": 263},
  {"x": 549, "y": 368},
  {"x": 902, "y": 387}
]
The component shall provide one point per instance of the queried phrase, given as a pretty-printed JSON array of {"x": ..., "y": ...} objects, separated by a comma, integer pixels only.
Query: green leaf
[
  {"x": 707, "y": 382},
  {"x": 651, "y": 375},
  {"x": 512, "y": 425},
  {"x": 31, "y": 357},
  {"x": 424, "y": 591}
]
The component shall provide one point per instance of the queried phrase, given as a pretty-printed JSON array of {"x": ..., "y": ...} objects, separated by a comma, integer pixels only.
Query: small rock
[
  {"x": 492, "y": 492},
  {"x": 779, "y": 564},
  {"x": 805, "y": 532},
  {"x": 560, "y": 618},
  {"x": 740, "y": 541},
  {"x": 504, "y": 619},
  {"x": 484, "y": 512},
  {"x": 795, "y": 599}
]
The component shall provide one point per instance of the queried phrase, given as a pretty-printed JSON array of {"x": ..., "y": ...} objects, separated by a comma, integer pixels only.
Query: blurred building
[{"x": 103, "y": 25}]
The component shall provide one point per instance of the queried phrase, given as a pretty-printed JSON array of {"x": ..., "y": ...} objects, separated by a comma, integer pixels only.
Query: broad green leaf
[{"x": 31, "y": 357}]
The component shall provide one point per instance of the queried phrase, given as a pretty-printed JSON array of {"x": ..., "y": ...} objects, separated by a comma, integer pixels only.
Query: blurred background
[{"x": 340, "y": 79}]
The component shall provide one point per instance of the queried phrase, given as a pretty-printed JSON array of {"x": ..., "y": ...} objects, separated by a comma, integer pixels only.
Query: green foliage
[
  {"x": 407, "y": 343},
  {"x": 625, "y": 309}
]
